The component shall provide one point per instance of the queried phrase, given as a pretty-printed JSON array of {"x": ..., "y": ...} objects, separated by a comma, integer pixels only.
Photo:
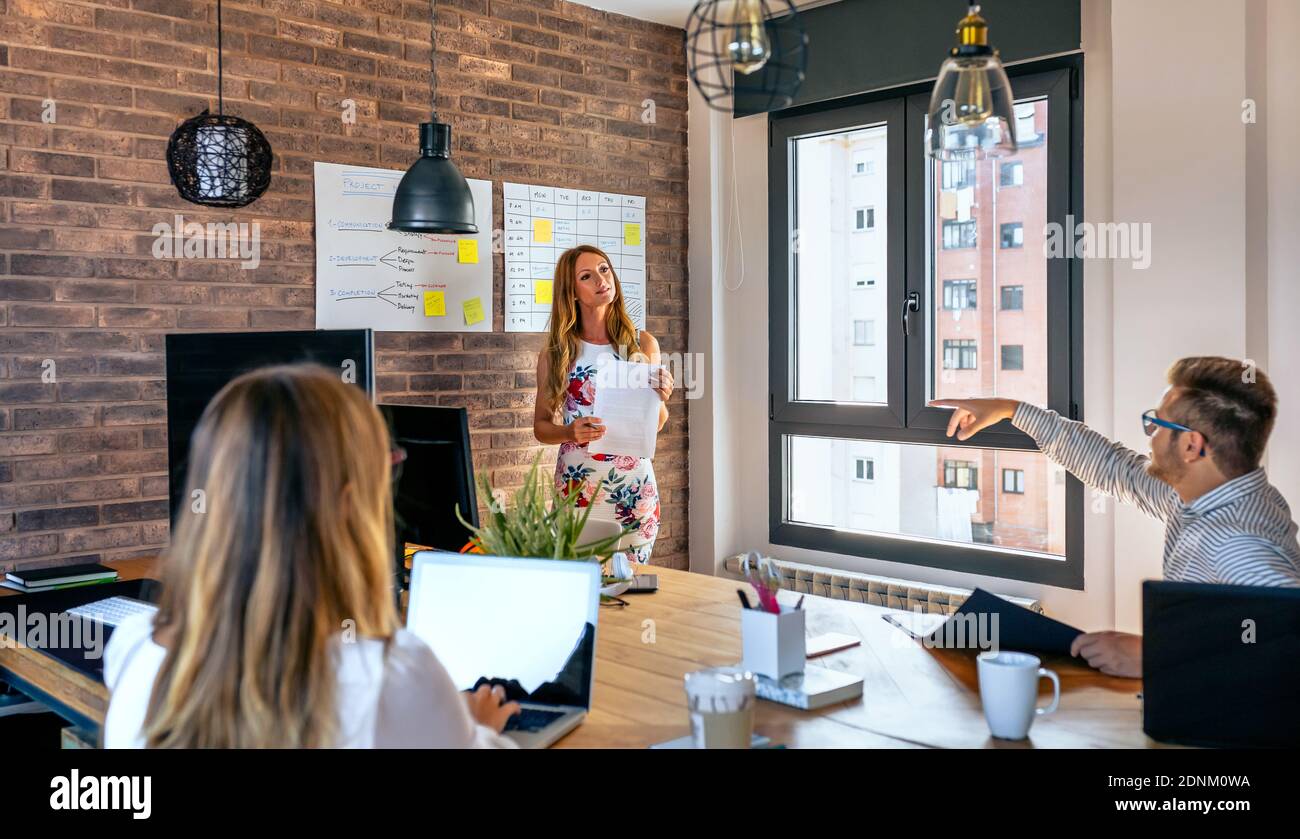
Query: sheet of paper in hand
[{"x": 629, "y": 406}]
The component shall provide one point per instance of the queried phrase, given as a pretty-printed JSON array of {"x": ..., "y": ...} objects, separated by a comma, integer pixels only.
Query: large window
[{"x": 944, "y": 235}]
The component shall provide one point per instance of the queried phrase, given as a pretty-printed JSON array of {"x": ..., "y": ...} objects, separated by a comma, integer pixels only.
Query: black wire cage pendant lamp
[
  {"x": 219, "y": 160},
  {"x": 746, "y": 56},
  {"x": 433, "y": 196}
]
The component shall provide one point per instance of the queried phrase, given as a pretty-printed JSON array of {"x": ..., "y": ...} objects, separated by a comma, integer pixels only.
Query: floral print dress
[{"x": 628, "y": 494}]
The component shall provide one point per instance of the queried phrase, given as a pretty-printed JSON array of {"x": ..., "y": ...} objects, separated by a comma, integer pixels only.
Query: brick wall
[{"x": 541, "y": 91}]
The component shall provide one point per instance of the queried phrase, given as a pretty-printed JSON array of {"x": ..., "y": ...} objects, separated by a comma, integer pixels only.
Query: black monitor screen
[
  {"x": 435, "y": 476},
  {"x": 200, "y": 364}
]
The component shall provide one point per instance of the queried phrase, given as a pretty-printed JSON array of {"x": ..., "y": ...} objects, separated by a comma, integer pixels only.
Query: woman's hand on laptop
[
  {"x": 488, "y": 707},
  {"x": 1113, "y": 653},
  {"x": 972, "y": 415}
]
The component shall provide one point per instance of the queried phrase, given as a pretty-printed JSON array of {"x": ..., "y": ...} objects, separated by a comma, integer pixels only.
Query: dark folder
[{"x": 972, "y": 625}]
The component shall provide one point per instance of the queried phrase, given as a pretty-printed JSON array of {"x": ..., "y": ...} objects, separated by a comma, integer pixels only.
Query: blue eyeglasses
[{"x": 1150, "y": 422}]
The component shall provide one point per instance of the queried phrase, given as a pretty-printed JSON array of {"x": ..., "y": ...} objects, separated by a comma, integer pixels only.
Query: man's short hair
[{"x": 1231, "y": 402}]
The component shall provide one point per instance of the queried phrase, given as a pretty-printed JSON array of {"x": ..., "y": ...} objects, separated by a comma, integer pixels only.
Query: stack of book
[{"x": 48, "y": 579}]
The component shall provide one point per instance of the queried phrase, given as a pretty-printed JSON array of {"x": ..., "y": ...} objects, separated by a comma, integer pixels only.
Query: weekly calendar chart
[
  {"x": 368, "y": 276},
  {"x": 543, "y": 222}
]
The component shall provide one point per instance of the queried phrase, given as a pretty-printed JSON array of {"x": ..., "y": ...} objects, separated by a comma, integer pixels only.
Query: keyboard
[
  {"x": 113, "y": 610},
  {"x": 531, "y": 719}
]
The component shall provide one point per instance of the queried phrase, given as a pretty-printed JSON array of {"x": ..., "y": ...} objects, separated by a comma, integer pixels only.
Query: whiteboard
[
  {"x": 543, "y": 222},
  {"x": 368, "y": 276}
]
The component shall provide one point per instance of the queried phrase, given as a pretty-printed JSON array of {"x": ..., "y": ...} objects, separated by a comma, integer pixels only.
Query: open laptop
[
  {"x": 1219, "y": 664},
  {"x": 528, "y": 625}
]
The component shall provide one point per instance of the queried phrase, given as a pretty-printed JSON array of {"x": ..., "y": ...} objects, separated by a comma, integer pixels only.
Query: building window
[
  {"x": 1013, "y": 357},
  {"x": 863, "y": 165},
  {"x": 864, "y": 276},
  {"x": 1012, "y": 174},
  {"x": 960, "y": 294},
  {"x": 864, "y": 333},
  {"x": 1013, "y": 235},
  {"x": 864, "y": 469},
  {"x": 958, "y": 174},
  {"x": 1013, "y": 298},
  {"x": 959, "y": 353},
  {"x": 1013, "y": 481},
  {"x": 958, "y": 234},
  {"x": 864, "y": 218},
  {"x": 961, "y": 474}
]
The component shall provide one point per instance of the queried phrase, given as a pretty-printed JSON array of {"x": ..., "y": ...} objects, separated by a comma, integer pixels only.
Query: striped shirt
[{"x": 1240, "y": 532}]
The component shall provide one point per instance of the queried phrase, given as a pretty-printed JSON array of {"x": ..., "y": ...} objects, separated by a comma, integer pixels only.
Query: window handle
[{"x": 911, "y": 304}]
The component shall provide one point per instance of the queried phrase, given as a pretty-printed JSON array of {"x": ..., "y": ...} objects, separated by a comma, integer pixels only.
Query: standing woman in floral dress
[{"x": 588, "y": 321}]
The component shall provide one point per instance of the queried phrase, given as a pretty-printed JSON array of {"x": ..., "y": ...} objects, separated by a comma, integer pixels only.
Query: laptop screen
[{"x": 526, "y": 624}]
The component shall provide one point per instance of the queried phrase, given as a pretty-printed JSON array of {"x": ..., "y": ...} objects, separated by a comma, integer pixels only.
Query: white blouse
[{"x": 403, "y": 700}]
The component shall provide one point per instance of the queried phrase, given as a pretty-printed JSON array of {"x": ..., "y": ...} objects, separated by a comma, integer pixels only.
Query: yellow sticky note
[
  {"x": 541, "y": 230},
  {"x": 435, "y": 305},
  {"x": 631, "y": 234},
  {"x": 473, "y": 311},
  {"x": 467, "y": 251},
  {"x": 542, "y": 291}
]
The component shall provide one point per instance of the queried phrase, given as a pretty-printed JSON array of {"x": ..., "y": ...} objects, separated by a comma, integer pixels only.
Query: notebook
[{"x": 815, "y": 688}]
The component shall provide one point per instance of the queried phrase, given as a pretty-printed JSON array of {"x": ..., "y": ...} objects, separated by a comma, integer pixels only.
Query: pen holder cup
[{"x": 773, "y": 644}]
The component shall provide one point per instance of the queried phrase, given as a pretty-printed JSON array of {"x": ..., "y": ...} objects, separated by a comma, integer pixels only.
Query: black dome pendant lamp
[{"x": 433, "y": 196}]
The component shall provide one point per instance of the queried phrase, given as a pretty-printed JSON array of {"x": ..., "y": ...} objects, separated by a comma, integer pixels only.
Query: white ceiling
[{"x": 671, "y": 12}]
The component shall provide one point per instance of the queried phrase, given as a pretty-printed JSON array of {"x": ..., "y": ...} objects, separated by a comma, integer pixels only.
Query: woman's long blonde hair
[
  {"x": 284, "y": 541},
  {"x": 566, "y": 332}
]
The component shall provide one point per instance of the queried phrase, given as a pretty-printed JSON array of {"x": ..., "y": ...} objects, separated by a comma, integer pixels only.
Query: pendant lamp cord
[
  {"x": 433, "y": 59},
  {"x": 221, "y": 100}
]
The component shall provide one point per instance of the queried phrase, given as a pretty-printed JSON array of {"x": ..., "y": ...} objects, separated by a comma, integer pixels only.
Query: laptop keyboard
[
  {"x": 531, "y": 719},
  {"x": 113, "y": 610}
]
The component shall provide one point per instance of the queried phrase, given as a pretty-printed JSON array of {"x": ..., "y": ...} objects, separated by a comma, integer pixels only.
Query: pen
[
  {"x": 744, "y": 601},
  {"x": 799, "y": 605}
]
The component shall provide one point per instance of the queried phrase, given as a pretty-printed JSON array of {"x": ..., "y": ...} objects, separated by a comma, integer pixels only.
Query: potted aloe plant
[{"x": 541, "y": 521}]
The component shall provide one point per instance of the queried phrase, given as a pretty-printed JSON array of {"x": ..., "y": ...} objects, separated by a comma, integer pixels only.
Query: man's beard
[{"x": 1169, "y": 471}]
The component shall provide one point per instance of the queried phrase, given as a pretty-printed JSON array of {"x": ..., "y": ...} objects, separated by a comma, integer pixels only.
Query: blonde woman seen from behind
[{"x": 277, "y": 626}]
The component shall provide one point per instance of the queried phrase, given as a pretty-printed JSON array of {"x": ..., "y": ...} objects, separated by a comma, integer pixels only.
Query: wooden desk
[{"x": 913, "y": 697}]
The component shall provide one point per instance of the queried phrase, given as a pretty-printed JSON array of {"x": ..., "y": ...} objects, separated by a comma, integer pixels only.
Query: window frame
[
  {"x": 1002, "y": 297},
  {"x": 1018, "y": 482},
  {"x": 906, "y": 418},
  {"x": 869, "y": 472}
]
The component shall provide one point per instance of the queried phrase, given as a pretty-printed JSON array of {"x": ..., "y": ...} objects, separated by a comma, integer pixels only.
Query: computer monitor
[
  {"x": 200, "y": 364},
  {"x": 435, "y": 476},
  {"x": 1219, "y": 664}
]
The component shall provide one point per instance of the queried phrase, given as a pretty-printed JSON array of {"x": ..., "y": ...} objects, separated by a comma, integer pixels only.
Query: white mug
[{"x": 1009, "y": 691}]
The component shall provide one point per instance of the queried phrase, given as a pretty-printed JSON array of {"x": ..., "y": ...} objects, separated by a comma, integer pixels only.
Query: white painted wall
[
  {"x": 1164, "y": 144},
  {"x": 1281, "y": 124}
]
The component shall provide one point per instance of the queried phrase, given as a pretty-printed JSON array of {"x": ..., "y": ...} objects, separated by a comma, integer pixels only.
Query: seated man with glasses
[{"x": 1225, "y": 523}]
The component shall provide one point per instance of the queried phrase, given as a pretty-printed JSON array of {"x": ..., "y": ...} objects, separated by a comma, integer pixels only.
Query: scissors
[{"x": 765, "y": 577}]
